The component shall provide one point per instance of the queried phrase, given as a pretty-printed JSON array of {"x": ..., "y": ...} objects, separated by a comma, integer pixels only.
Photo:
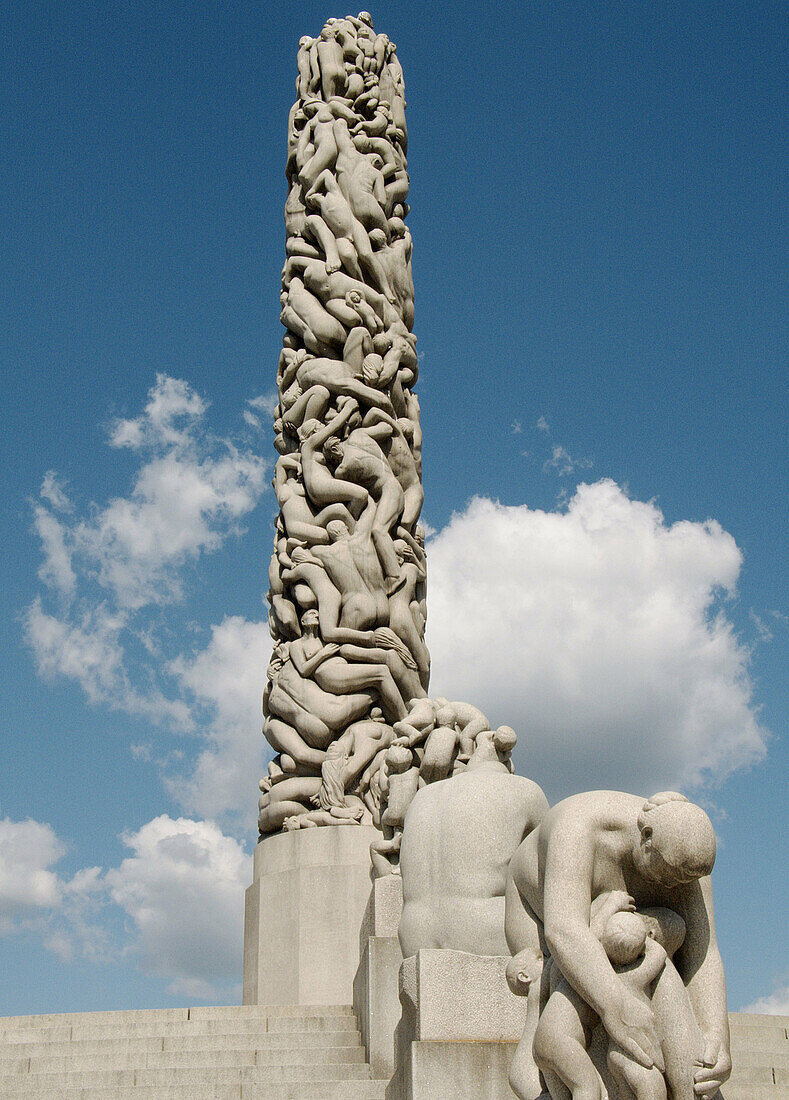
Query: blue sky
[{"x": 598, "y": 212}]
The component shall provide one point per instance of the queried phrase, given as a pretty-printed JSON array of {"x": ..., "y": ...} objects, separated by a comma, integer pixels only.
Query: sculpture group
[
  {"x": 348, "y": 572},
  {"x": 603, "y": 900}
]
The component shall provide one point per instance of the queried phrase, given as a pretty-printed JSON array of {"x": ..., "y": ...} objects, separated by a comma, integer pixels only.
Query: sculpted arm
[
  {"x": 701, "y": 968},
  {"x": 316, "y": 441},
  {"x": 569, "y": 868},
  {"x": 284, "y": 464},
  {"x": 304, "y": 666},
  {"x": 648, "y": 968}
]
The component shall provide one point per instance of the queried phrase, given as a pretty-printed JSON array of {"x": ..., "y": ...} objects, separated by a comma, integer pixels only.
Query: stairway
[
  {"x": 278, "y": 1053},
  {"x": 256, "y": 1053},
  {"x": 760, "y": 1055}
]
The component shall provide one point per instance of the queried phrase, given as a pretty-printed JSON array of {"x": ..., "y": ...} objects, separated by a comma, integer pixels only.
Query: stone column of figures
[{"x": 347, "y": 575}]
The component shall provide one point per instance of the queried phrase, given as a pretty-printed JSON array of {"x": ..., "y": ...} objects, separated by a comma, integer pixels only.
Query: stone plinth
[
  {"x": 304, "y": 911},
  {"x": 459, "y": 1027},
  {"x": 375, "y": 987}
]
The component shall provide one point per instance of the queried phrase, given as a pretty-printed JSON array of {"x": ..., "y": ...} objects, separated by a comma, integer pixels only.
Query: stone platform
[{"x": 303, "y": 914}]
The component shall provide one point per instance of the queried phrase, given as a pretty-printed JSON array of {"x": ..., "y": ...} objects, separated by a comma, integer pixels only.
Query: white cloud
[
  {"x": 183, "y": 889},
  {"x": 187, "y": 497},
  {"x": 762, "y": 629},
  {"x": 181, "y": 893},
  {"x": 88, "y": 650},
  {"x": 114, "y": 567},
  {"x": 52, "y": 491},
  {"x": 595, "y": 632},
  {"x": 28, "y": 886},
  {"x": 56, "y": 570},
  {"x": 543, "y": 425},
  {"x": 777, "y": 1004},
  {"x": 266, "y": 402},
  {"x": 171, "y": 401},
  {"x": 562, "y": 463},
  {"x": 227, "y": 679}
]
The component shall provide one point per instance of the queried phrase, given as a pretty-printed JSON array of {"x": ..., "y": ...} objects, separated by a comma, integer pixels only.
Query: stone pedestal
[
  {"x": 375, "y": 988},
  {"x": 459, "y": 1028},
  {"x": 303, "y": 913}
]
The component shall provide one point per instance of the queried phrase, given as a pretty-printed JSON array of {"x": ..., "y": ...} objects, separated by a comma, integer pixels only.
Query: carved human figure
[
  {"x": 396, "y": 445},
  {"x": 404, "y": 611},
  {"x": 399, "y": 781},
  {"x": 564, "y": 1033},
  {"x": 298, "y": 518},
  {"x": 352, "y": 565},
  {"x": 303, "y": 706},
  {"x": 331, "y": 62},
  {"x": 303, "y": 314},
  {"x": 457, "y": 841},
  {"x": 395, "y": 259},
  {"x": 321, "y": 482},
  {"x": 307, "y": 64},
  {"x": 329, "y": 665},
  {"x": 659, "y": 852},
  {"x": 359, "y": 459},
  {"x": 391, "y": 89},
  {"x": 345, "y": 240},
  {"x": 317, "y": 147},
  {"x": 340, "y": 380}
]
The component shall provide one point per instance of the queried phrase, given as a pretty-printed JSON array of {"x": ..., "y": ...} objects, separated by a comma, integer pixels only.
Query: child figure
[{"x": 566, "y": 1024}]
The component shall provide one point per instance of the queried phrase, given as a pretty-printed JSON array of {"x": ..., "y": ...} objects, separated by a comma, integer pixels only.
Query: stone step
[
  {"x": 752, "y": 1019},
  {"x": 775, "y": 1058},
  {"x": 317, "y": 1090},
  {"x": 758, "y": 1040},
  {"x": 217, "y": 1012},
  {"x": 185, "y": 1059},
  {"x": 109, "y": 1046},
  {"x": 34, "y": 1083},
  {"x": 264, "y": 1026},
  {"x": 753, "y": 1092},
  {"x": 752, "y": 1075}
]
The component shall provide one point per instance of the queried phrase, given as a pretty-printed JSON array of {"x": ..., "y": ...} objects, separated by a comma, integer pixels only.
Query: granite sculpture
[
  {"x": 458, "y": 838},
  {"x": 609, "y": 916},
  {"x": 597, "y": 911},
  {"x": 347, "y": 574}
]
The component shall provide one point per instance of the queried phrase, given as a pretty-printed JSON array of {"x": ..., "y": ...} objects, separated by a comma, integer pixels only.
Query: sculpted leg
[
  {"x": 681, "y": 1038},
  {"x": 524, "y": 934},
  {"x": 340, "y": 676},
  {"x": 314, "y": 731},
  {"x": 310, "y": 406},
  {"x": 644, "y": 1084},
  {"x": 284, "y": 738},
  {"x": 325, "y": 238}
]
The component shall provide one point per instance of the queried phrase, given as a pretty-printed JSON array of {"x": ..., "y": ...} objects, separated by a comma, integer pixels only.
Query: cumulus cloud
[
  {"x": 179, "y": 897},
  {"x": 109, "y": 571},
  {"x": 170, "y": 413},
  {"x": 88, "y": 649},
  {"x": 598, "y": 632},
  {"x": 183, "y": 890},
  {"x": 186, "y": 498},
  {"x": 776, "y": 1004},
  {"x": 226, "y": 679},
  {"x": 28, "y": 885}
]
